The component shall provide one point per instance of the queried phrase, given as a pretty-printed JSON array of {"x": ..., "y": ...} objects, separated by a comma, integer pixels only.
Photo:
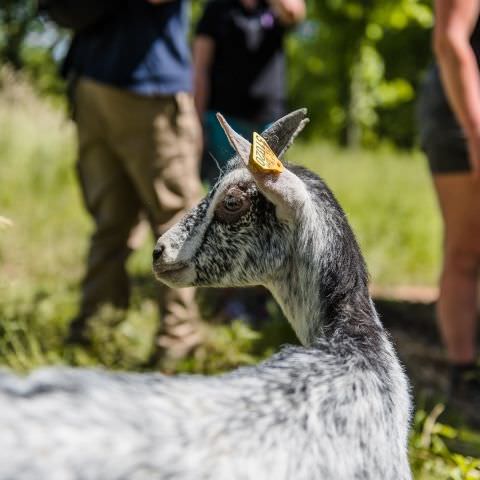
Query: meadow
[{"x": 386, "y": 195}]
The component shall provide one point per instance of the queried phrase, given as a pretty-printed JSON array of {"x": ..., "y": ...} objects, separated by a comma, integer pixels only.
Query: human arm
[
  {"x": 454, "y": 23},
  {"x": 289, "y": 12},
  {"x": 203, "y": 53}
]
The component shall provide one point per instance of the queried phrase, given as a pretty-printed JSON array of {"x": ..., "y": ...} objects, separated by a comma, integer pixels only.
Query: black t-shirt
[{"x": 247, "y": 79}]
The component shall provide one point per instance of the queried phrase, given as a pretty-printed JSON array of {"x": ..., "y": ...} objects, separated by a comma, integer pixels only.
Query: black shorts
[{"x": 441, "y": 137}]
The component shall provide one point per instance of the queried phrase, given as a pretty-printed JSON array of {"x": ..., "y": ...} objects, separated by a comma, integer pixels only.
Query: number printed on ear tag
[{"x": 262, "y": 157}]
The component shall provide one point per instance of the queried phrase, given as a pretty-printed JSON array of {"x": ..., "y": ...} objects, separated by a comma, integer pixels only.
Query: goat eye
[{"x": 232, "y": 203}]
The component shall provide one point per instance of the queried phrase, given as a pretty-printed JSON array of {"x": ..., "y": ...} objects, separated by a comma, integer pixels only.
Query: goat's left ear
[
  {"x": 281, "y": 134},
  {"x": 284, "y": 189}
]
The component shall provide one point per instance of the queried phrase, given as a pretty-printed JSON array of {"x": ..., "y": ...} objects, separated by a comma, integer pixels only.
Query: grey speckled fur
[{"x": 335, "y": 408}]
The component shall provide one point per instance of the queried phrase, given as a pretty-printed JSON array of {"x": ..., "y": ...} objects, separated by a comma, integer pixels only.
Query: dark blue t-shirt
[{"x": 140, "y": 47}]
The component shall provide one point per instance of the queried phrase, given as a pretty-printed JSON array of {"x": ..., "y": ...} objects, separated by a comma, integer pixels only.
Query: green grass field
[
  {"x": 386, "y": 195},
  {"x": 390, "y": 203}
]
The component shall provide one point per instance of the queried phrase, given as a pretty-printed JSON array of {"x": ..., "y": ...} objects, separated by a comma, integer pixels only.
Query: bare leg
[{"x": 459, "y": 198}]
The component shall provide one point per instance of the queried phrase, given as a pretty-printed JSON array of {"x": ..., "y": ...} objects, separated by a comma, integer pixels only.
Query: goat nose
[{"x": 157, "y": 252}]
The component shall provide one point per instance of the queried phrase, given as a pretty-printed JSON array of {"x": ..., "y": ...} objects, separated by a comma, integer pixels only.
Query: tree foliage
[
  {"x": 357, "y": 65},
  {"x": 17, "y": 19},
  {"x": 27, "y": 44}
]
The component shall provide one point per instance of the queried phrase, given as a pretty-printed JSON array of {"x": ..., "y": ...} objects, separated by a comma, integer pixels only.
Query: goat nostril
[{"x": 157, "y": 252}]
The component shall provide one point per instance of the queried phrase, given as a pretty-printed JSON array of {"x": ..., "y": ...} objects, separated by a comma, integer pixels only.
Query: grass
[
  {"x": 390, "y": 203},
  {"x": 43, "y": 239}
]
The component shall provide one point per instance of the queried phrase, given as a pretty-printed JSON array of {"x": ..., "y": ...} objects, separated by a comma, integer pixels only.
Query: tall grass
[
  {"x": 389, "y": 200},
  {"x": 41, "y": 249},
  {"x": 37, "y": 188}
]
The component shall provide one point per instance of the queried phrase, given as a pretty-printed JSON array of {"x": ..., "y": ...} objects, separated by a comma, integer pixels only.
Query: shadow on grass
[{"x": 414, "y": 331}]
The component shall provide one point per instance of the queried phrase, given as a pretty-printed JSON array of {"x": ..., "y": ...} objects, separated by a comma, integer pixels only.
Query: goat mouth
[{"x": 167, "y": 270}]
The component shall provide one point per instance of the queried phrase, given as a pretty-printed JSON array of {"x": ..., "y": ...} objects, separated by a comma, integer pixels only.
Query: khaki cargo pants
[{"x": 138, "y": 156}]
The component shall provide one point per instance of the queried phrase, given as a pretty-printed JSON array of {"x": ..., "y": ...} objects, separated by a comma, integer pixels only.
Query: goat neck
[{"x": 323, "y": 289}]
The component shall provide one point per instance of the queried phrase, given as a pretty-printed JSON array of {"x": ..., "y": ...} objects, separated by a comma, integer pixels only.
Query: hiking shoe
[
  {"x": 464, "y": 384},
  {"x": 77, "y": 332}
]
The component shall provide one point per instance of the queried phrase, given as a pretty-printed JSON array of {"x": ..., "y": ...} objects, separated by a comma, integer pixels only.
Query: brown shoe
[{"x": 172, "y": 347}]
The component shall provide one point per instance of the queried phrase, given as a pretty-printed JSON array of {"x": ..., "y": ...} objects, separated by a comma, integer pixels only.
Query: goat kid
[{"x": 335, "y": 408}]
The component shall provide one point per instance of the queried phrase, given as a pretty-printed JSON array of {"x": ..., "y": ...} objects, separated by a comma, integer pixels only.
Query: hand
[{"x": 289, "y": 11}]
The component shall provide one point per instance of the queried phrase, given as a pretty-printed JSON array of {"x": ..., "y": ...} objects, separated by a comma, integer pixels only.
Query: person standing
[
  {"x": 240, "y": 69},
  {"x": 139, "y": 144},
  {"x": 449, "y": 113}
]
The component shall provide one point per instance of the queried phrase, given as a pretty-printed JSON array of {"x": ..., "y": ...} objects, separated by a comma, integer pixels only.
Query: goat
[{"x": 336, "y": 407}]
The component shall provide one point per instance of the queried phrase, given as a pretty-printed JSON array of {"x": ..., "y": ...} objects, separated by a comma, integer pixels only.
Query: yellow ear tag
[{"x": 262, "y": 158}]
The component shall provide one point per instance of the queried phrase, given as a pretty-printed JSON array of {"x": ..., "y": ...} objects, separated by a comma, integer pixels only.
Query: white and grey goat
[{"x": 335, "y": 408}]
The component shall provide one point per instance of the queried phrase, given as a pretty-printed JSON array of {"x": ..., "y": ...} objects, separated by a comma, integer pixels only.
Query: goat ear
[
  {"x": 285, "y": 190},
  {"x": 241, "y": 145},
  {"x": 283, "y": 132}
]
